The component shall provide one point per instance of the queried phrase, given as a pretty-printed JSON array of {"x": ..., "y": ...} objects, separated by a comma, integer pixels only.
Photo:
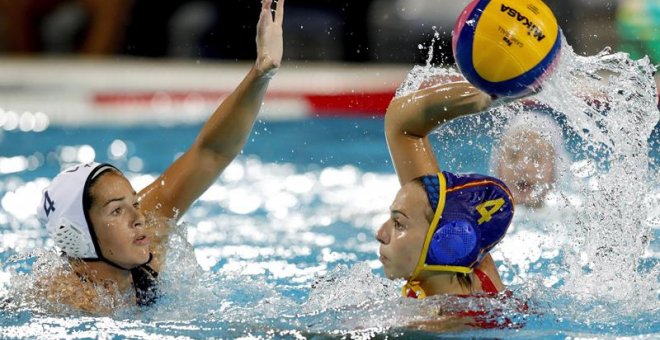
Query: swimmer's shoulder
[{"x": 66, "y": 287}]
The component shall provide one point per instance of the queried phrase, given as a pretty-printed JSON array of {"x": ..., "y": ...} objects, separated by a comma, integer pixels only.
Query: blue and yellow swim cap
[{"x": 471, "y": 215}]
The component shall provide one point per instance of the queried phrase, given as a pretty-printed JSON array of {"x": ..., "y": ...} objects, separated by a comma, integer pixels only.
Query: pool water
[{"x": 282, "y": 245}]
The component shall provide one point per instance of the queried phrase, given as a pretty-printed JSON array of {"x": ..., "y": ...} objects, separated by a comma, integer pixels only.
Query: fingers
[
  {"x": 265, "y": 4},
  {"x": 279, "y": 12},
  {"x": 264, "y": 17}
]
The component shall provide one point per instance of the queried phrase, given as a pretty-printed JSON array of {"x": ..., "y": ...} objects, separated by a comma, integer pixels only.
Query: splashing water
[{"x": 610, "y": 101}]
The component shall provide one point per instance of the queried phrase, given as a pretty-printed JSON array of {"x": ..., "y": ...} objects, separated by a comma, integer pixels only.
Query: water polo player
[
  {"x": 528, "y": 159},
  {"x": 116, "y": 238},
  {"x": 442, "y": 225}
]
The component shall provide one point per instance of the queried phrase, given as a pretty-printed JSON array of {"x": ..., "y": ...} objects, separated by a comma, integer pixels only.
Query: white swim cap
[
  {"x": 62, "y": 210},
  {"x": 546, "y": 127}
]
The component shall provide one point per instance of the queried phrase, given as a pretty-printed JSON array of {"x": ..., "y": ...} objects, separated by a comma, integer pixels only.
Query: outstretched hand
[{"x": 269, "y": 38}]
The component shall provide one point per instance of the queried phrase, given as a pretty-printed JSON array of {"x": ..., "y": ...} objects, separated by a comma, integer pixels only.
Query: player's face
[
  {"x": 402, "y": 236},
  {"x": 118, "y": 221},
  {"x": 527, "y": 167}
]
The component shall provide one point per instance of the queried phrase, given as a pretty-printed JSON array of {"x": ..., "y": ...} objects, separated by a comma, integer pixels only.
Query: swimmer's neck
[
  {"x": 100, "y": 272},
  {"x": 436, "y": 283}
]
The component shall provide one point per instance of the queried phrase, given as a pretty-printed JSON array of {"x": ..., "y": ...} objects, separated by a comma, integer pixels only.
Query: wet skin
[
  {"x": 118, "y": 221},
  {"x": 402, "y": 236}
]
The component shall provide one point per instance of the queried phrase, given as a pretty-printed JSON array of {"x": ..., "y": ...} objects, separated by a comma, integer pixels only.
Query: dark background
[{"x": 327, "y": 30}]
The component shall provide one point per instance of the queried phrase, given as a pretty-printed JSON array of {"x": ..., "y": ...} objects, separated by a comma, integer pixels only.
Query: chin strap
[
  {"x": 113, "y": 264},
  {"x": 412, "y": 289},
  {"x": 104, "y": 259}
]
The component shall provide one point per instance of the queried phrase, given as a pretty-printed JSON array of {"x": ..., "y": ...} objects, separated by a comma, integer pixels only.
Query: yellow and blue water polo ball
[{"x": 506, "y": 47}]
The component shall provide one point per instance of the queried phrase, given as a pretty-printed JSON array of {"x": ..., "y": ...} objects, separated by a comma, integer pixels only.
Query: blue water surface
[{"x": 284, "y": 240}]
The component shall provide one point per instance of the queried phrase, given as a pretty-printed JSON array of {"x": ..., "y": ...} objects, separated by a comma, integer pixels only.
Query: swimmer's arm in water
[
  {"x": 410, "y": 118},
  {"x": 224, "y": 134}
]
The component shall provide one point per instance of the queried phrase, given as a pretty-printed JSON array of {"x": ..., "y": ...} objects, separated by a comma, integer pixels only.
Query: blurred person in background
[
  {"x": 530, "y": 157},
  {"x": 91, "y": 27},
  {"x": 319, "y": 30},
  {"x": 354, "y": 31},
  {"x": 206, "y": 29}
]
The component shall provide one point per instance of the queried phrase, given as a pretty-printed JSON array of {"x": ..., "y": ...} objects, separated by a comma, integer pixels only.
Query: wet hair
[{"x": 465, "y": 280}]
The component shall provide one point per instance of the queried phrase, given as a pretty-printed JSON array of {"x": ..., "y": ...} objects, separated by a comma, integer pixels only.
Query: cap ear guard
[
  {"x": 71, "y": 240},
  {"x": 454, "y": 243}
]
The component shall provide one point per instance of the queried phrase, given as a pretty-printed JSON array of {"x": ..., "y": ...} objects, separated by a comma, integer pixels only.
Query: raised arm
[
  {"x": 410, "y": 118},
  {"x": 226, "y": 131}
]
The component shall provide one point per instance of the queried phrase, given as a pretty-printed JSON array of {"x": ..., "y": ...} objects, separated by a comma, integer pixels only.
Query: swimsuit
[
  {"x": 486, "y": 285},
  {"x": 146, "y": 286},
  {"x": 482, "y": 318}
]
